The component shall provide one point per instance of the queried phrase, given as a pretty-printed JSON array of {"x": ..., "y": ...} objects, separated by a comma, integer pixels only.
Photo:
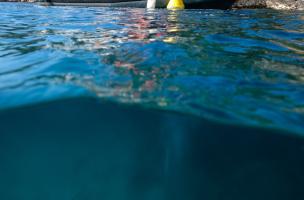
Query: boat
[{"x": 138, "y": 3}]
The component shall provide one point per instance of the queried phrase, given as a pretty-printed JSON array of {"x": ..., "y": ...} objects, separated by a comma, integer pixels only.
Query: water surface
[{"x": 243, "y": 66}]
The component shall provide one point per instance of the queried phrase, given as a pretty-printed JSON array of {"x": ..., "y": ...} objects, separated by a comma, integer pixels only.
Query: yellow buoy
[{"x": 175, "y": 4}]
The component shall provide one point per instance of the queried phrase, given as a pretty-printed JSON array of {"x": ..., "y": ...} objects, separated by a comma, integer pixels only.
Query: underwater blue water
[
  {"x": 129, "y": 104},
  {"x": 239, "y": 66}
]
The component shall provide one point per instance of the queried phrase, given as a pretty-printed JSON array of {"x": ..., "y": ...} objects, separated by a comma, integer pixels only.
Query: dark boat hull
[
  {"x": 131, "y": 3},
  {"x": 138, "y": 3}
]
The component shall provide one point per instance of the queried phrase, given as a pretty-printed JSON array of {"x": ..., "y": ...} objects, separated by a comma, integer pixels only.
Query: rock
[
  {"x": 239, "y": 4},
  {"x": 250, "y": 4},
  {"x": 274, "y": 4},
  {"x": 286, "y": 4}
]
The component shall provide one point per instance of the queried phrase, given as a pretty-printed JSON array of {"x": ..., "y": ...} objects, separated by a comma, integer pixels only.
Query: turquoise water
[
  {"x": 103, "y": 103},
  {"x": 245, "y": 67}
]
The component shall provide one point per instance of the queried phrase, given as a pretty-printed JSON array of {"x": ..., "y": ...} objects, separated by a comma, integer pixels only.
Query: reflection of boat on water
[{"x": 137, "y": 3}]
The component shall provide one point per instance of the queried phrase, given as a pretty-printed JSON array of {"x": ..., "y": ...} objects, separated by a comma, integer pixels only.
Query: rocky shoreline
[{"x": 274, "y": 4}]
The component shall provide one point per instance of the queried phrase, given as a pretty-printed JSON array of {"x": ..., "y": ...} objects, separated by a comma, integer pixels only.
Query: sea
[{"x": 134, "y": 104}]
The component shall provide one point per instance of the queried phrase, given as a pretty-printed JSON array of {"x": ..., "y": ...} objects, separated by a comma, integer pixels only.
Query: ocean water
[{"x": 126, "y": 104}]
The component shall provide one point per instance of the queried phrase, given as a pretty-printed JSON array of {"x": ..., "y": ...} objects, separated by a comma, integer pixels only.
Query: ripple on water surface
[{"x": 241, "y": 66}]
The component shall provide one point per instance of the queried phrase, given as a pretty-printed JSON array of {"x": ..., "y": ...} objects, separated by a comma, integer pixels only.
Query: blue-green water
[
  {"x": 103, "y": 103},
  {"x": 245, "y": 66}
]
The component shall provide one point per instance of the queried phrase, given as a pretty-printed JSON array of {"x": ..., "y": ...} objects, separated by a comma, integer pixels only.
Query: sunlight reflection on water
[{"x": 239, "y": 66}]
